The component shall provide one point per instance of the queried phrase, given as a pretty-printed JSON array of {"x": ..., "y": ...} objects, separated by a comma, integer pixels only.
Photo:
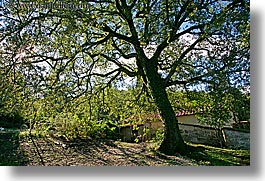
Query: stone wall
[
  {"x": 126, "y": 133},
  {"x": 200, "y": 134},
  {"x": 227, "y": 137},
  {"x": 189, "y": 119},
  {"x": 237, "y": 139},
  {"x": 141, "y": 132}
]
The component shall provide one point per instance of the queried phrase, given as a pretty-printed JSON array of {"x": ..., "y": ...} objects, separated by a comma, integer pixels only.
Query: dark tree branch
[
  {"x": 118, "y": 35},
  {"x": 121, "y": 66},
  {"x": 126, "y": 56},
  {"x": 176, "y": 63}
]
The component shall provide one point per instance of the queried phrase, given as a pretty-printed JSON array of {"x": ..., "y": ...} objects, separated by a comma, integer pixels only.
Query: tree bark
[{"x": 172, "y": 142}]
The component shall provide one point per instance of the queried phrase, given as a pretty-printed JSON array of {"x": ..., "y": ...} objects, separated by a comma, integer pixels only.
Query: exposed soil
[
  {"x": 54, "y": 151},
  {"x": 58, "y": 152}
]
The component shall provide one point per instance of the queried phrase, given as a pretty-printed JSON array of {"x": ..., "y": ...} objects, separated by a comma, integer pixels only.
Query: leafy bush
[
  {"x": 75, "y": 125},
  {"x": 157, "y": 138}
]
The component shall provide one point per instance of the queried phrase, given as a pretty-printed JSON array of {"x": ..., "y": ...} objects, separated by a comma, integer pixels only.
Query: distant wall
[
  {"x": 193, "y": 120},
  {"x": 200, "y": 134},
  {"x": 227, "y": 137},
  {"x": 142, "y": 132},
  {"x": 237, "y": 139},
  {"x": 189, "y": 119}
]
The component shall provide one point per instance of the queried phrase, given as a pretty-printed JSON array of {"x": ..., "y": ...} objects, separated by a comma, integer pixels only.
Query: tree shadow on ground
[
  {"x": 10, "y": 152},
  {"x": 109, "y": 152},
  {"x": 97, "y": 152},
  {"x": 54, "y": 151}
]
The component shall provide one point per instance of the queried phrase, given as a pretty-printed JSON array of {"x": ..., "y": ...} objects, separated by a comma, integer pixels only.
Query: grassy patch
[{"x": 207, "y": 155}]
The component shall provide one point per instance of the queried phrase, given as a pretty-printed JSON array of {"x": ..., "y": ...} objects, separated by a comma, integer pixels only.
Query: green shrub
[{"x": 72, "y": 126}]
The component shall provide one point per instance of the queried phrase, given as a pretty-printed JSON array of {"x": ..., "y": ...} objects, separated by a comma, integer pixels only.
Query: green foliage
[
  {"x": 11, "y": 98},
  {"x": 216, "y": 108},
  {"x": 71, "y": 122},
  {"x": 157, "y": 139},
  {"x": 180, "y": 100},
  {"x": 96, "y": 115},
  {"x": 159, "y": 135}
]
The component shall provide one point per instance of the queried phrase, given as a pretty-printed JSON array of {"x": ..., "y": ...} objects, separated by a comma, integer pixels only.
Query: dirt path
[
  {"x": 51, "y": 151},
  {"x": 55, "y": 152}
]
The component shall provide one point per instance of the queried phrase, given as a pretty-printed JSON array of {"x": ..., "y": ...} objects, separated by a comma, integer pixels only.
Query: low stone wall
[
  {"x": 237, "y": 139},
  {"x": 200, "y": 134},
  {"x": 141, "y": 132},
  {"x": 227, "y": 137}
]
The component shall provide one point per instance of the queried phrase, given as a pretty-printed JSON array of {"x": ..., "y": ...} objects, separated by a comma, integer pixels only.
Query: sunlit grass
[{"x": 208, "y": 155}]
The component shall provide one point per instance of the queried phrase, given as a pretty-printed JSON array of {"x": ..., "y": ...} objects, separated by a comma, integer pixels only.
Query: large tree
[{"x": 162, "y": 43}]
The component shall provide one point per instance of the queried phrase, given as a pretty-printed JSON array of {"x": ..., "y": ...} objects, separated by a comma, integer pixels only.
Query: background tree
[
  {"x": 12, "y": 91},
  {"x": 164, "y": 43}
]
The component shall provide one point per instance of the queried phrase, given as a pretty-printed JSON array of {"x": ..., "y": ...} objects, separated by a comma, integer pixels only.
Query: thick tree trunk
[{"x": 173, "y": 142}]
